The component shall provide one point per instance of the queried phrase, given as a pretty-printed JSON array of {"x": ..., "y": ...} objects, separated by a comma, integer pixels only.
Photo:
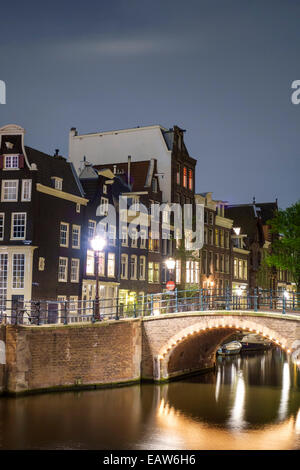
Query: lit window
[
  {"x": 1, "y": 226},
  {"x": 110, "y": 265},
  {"x": 156, "y": 273},
  {"x": 73, "y": 305},
  {"x": 75, "y": 270},
  {"x": 26, "y": 190},
  {"x": 9, "y": 190},
  {"x": 18, "y": 271},
  {"x": 11, "y": 161},
  {"x": 150, "y": 272},
  {"x": 101, "y": 263},
  {"x": 63, "y": 269},
  {"x": 191, "y": 180},
  {"x": 133, "y": 266},
  {"x": 124, "y": 266},
  {"x": 91, "y": 228},
  {"x": 142, "y": 268},
  {"x": 90, "y": 262},
  {"x": 64, "y": 234},
  {"x": 185, "y": 177},
  {"x": 18, "y": 226},
  {"x": 75, "y": 236},
  {"x": 217, "y": 237}
]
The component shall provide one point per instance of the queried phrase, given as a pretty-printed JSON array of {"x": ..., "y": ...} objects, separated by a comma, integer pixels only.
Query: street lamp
[
  {"x": 170, "y": 263},
  {"x": 98, "y": 243}
]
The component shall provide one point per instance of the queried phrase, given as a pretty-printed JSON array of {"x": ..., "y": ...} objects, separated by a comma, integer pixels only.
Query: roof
[
  {"x": 140, "y": 173},
  {"x": 49, "y": 166}
]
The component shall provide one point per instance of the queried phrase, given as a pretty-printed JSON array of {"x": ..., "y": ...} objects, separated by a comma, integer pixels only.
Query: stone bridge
[
  {"x": 119, "y": 352},
  {"x": 177, "y": 344}
]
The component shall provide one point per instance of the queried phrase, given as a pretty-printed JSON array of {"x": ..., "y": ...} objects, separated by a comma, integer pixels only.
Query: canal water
[{"x": 249, "y": 402}]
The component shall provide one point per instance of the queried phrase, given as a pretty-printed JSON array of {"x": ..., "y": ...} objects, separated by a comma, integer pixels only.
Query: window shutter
[
  {"x": 21, "y": 161},
  {"x": 1, "y": 162}
]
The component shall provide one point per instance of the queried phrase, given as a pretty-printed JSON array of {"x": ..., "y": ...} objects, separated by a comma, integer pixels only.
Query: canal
[{"x": 249, "y": 402}]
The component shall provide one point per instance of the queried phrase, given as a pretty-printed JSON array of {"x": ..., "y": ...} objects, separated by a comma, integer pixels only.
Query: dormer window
[
  {"x": 11, "y": 162},
  {"x": 57, "y": 182}
]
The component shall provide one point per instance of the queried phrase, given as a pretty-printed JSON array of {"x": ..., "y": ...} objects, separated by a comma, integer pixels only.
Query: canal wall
[{"x": 66, "y": 357}]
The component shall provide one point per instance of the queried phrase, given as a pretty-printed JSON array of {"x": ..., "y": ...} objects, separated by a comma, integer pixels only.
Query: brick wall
[{"x": 49, "y": 357}]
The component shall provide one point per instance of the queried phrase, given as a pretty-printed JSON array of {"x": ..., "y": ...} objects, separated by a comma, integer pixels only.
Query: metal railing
[{"x": 45, "y": 312}]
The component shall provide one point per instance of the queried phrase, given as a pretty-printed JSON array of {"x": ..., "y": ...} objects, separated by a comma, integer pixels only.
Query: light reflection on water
[{"x": 249, "y": 403}]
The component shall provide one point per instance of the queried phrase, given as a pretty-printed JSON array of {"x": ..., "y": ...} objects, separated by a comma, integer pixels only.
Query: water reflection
[{"x": 250, "y": 402}]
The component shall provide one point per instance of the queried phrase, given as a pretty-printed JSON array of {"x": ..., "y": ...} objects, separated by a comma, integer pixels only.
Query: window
[
  {"x": 211, "y": 218},
  {"x": 9, "y": 190},
  {"x": 150, "y": 272},
  {"x": 11, "y": 162},
  {"x": 18, "y": 226},
  {"x": 103, "y": 206},
  {"x": 112, "y": 235},
  {"x": 226, "y": 239},
  {"x": 18, "y": 271},
  {"x": 41, "y": 264},
  {"x": 227, "y": 264},
  {"x": 73, "y": 305},
  {"x": 3, "y": 278},
  {"x": 210, "y": 236},
  {"x": 134, "y": 238},
  {"x": 154, "y": 185},
  {"x": 57, "y": 182},
  {"x": 222, "y": 238},
  {"x": 110, "y": 265},
  {"x": 26, "y": 190},
  {"x": 191, "y": 180},
  {"x": 76, "y": 236},
  {"x": 75, "y": 270},
  {"x": 2, "y": 226},
  {"x": 91, "y": 228},
  {"x": 90, "y": 262},
  {"x": 124, "y": 266},
  {"x": 205, "y": 217},
  {"x": 142, "y": 268},
  {"x": 217, "y": 237},
  {"x": 240, "y": 269},
  {"x": 133, "y": 266},
  {"x": 204, "y": 262},
  {"x": 153, "y": 241},
  {"x": 124, "y": 234},
  {"x": 222, "y": 263},
  {"x": 143, "y": 239},
  {"x": 104, "y": 189},
  {"x": 78, "y": 208},
  {"x": 64, "y": 234},
  {"x": 235, "y": 268},
  {"x": 188, "y": 271},
  {"x": 101, "y": 263},
  {"x": 245, "y": 276},
  {"x": 178, "y": 173},
  {"x": 63, "y": 269},
  {"x": 156, "y": 273},
  {"x": 185, "y": 177}
]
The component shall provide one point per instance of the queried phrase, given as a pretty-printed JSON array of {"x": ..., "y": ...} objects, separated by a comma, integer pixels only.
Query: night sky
[{"x": 221, "y": 69}]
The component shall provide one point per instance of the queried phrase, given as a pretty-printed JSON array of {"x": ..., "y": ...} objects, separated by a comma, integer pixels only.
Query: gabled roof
[{"x": 49, "y": 166}]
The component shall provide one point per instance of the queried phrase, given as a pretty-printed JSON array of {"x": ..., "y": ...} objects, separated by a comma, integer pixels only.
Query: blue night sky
[{"x": 221, "y": 69}]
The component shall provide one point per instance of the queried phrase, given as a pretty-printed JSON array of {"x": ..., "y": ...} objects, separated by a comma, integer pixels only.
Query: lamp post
[
  {"x": 170, "y": 263},
  {"x": 98, "y": 243}
]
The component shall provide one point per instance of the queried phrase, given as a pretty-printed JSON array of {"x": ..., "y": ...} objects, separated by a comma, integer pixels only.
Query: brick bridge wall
[
  {"x": 110, "y": 353},
  {"x": 50, "y": 357}
]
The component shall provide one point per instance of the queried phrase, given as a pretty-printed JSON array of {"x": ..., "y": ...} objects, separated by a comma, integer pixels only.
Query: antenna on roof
[{"x": 253, "y": 199}]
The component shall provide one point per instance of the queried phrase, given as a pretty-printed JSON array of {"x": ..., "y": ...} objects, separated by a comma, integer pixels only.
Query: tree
[{"x": 285, "y": 249}]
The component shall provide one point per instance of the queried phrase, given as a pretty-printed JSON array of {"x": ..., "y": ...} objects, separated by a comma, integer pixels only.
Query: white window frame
[
  {"x": 108, "y": 260},
  {"x": 103, "y": 206},
  {"x": 23, "y": 199},
  {"x": 143, "y": 243},
  {"x": 74, "y": 226},
  {"x": 67, "y": 234},
  {"x": 142, "y": 273},
  {"x": 124, "y": 231},
  {"x": 14, "y": 287},
  {"x": 6, "y": 158},
  {"x": 133, "y": 276},
  {"x": 12, "y": 225},
  {"x": 57, "y": 183},
  {"x": 3, "y": 190},
  {"x": 77, "y": 269},
  {"x": 124, "y": 262},
  {"x": 112, "y": 239},
  {"x": 94, "y": 223},
  {"x": 66, "y": 269},
  {"x": 90, "y": 254}
]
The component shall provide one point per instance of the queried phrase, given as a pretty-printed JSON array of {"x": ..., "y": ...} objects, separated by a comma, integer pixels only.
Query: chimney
[{"x": 129, "y": 165}]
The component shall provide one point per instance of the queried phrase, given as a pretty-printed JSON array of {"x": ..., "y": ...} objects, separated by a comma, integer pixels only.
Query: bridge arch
[{"x": 206, "y": 337}]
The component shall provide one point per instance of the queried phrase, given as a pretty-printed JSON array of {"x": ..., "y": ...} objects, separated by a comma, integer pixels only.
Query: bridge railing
[{"x": 43, "y": 312}]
